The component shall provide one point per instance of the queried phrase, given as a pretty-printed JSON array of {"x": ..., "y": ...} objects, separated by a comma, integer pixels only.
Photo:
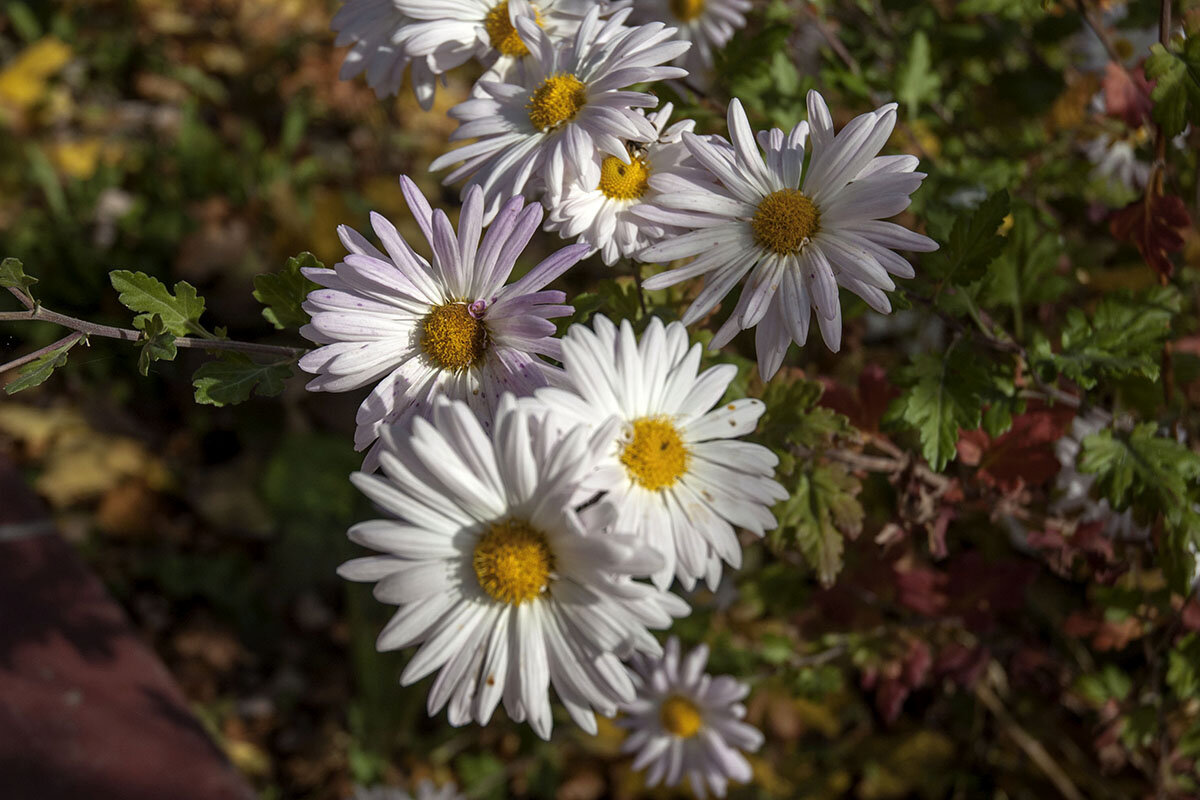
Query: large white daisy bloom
[
  {"x": 426, "y": 790},
  {"x": 673, "y": 471},
  {"x": 687, "y": 723},
  {"x": 794, "y": 232},
  {"x": 568, "y": 104},
  {"x": 373, "y": 28},
  {"x": 419, "y": 329},
  {"x": 707, "y": 24},
  {"x": 601, "y": 200},
  {"x": 506, "y": 587}
]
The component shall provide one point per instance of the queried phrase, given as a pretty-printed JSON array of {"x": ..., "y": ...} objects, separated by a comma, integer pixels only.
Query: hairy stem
[{"x": 21, "y": 361}]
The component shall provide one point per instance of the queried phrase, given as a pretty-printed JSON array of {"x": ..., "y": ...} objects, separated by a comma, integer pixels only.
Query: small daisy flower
[
  {"x": 604, "y": 203},
  {"x": 373, "y": 29},
  {"x": 687, "y": 723},
  {"x": 452, "y": 327},
  {"x": 793, "y": 232},
  {"x": 507, "y": 589},
  {"x": 568, "y": 104},
  {"x": 1116, "y": 160},
  {"x": 425, "y": 790},
  {"x": 707, "y": 24},
  {"x": 673, "y": 471}
]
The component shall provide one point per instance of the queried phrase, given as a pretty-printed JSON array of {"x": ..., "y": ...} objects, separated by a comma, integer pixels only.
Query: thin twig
[
  {"x": 1110, "y": 46},
  {"x": 43, "y": 314},
  {"x": 1032, "y": 748},
  {"x": 66, "y": 341}
]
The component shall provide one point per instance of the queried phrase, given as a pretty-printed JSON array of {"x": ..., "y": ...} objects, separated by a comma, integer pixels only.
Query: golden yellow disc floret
[
  {"x": 680, "y": 717},
  {"x": 513, "y": 562},
  {"x": 503, "y": 34},
  {"x": 687, "y": 10},
  {"x": 556, "y": 101},
  {"x": 621, "y": 181},
  {"x": 655, "y": 456},
  {"x": 785, "y": 220},
  {"x": 452, "y": 338}
]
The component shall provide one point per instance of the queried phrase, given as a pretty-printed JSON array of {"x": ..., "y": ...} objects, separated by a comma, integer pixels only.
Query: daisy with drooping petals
[
  {"x": 707, "y": 24},
  {"x": 507, "y": 589},
  {"x": 372, "y": 28},
  {"x": 425, "y": 791},
  {"x": 451, "y": 327},
  {"x": 793, "y": 232},
  {"x": 687, "y": 723},
  {"x": 568, "y": 105},
  {"x": 673, "y": 471},
  {"x": 601, "y": 201}
]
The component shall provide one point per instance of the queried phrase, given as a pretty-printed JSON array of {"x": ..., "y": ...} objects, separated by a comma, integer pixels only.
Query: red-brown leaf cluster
[{"x": 1155, "y": 225}]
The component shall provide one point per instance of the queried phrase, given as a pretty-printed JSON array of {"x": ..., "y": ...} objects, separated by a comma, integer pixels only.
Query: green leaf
[
  {"x": 12, "y": 274},
  {"x": 37, "y": 371},
  {"x": 944, "y": 392},
  {"x": 822, "y": 509},
  {"x": 180, "y": 312},
  {"x": 1140, "y": 465},
  {"x": 974, "y": 242},
  {"x": 1183, "y": 668},
  {"x": 916, "y": 81},
  {"x": 283, "y": 292},
  {"x": 232, "y": 378},
  {"x": 793, "y": 415},
  {"x": 1124, "y": 337},
  {"x": 158, "y": 344},
  {"x": 1176, "y": 92}
]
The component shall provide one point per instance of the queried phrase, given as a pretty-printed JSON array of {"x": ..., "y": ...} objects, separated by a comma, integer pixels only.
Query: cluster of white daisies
[{"x": 544, "y": 493}]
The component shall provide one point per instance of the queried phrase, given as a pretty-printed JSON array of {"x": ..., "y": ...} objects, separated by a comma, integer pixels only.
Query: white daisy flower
[
  {"x": 600, "y": 202},
  {"x": 1116, "y": 161},
  {"x": 687, "y": 723},
  {"x": 795, "y": 232},
  {"x": 426, "y": 790},
  {"x": 568, "y": 105},
  {"x": 506, "y": 587},
  {"x": 451, "y": 327},
  {"x": 707, "y": 24},
  {"x": 373, "y": 29},
  {"x": 673, "y": 471}
]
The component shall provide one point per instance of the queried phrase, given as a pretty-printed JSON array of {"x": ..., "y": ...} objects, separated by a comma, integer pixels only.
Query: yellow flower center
[
  {"x": 785, "y": 220},
  {"x": 513, "y": 562},
  {"x": 621, "y": 181},
  {"x": 452, "y": 338},
  {"x": 687, "y": 10},
  {"x": 503, "y": 34},
  {"x": 556, "y": 101},
  {"x": 680, "y": 716},
  {"x": 655, "y": 457}
]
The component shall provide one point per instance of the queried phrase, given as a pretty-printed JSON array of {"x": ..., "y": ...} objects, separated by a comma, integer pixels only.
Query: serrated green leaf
[
  {"x": 793, "y": 415},
  {"x": 1176, "y": 93},
  {"x": 822, "y": 509},
  {"x": 973, "y": 243},
  {"x": 37, "y": 371},
  {"x": 916, "y": 81},
  {"x": 234, "y": 377},
  {"x": 1142, "y": 469},
  {"x": 284, "y": 292},
  {"x": 943, "y": 394},
  {"x": 180, "y": 312},
  {"x": 1124, "y": 337},
  {"x": 158, "y": 344},
  {"x": 12, "y": 274}
]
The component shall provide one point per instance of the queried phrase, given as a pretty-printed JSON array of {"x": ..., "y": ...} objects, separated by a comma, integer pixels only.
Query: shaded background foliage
[{"x": 926, "y": 621}]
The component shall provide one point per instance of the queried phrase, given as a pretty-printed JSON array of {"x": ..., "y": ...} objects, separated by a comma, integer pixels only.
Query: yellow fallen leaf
[
  {"x": 23, "y": 82},
  {"x": 77, "y": 159}
]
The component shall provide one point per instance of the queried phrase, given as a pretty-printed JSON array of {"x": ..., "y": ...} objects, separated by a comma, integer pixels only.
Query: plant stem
[
  {"x": 21, "y": 361},
  {"x": 42, "y": 314}
]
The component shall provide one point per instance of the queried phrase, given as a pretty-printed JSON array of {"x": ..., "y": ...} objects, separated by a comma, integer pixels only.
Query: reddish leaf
[
  {"x": 1022, "y": 457},
  {"x": 1155, "y": 224},
  {"x": 1127, "y": 94},
  {"x": 865, "y": 407},
  {"x": 920, "y": 588}
]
